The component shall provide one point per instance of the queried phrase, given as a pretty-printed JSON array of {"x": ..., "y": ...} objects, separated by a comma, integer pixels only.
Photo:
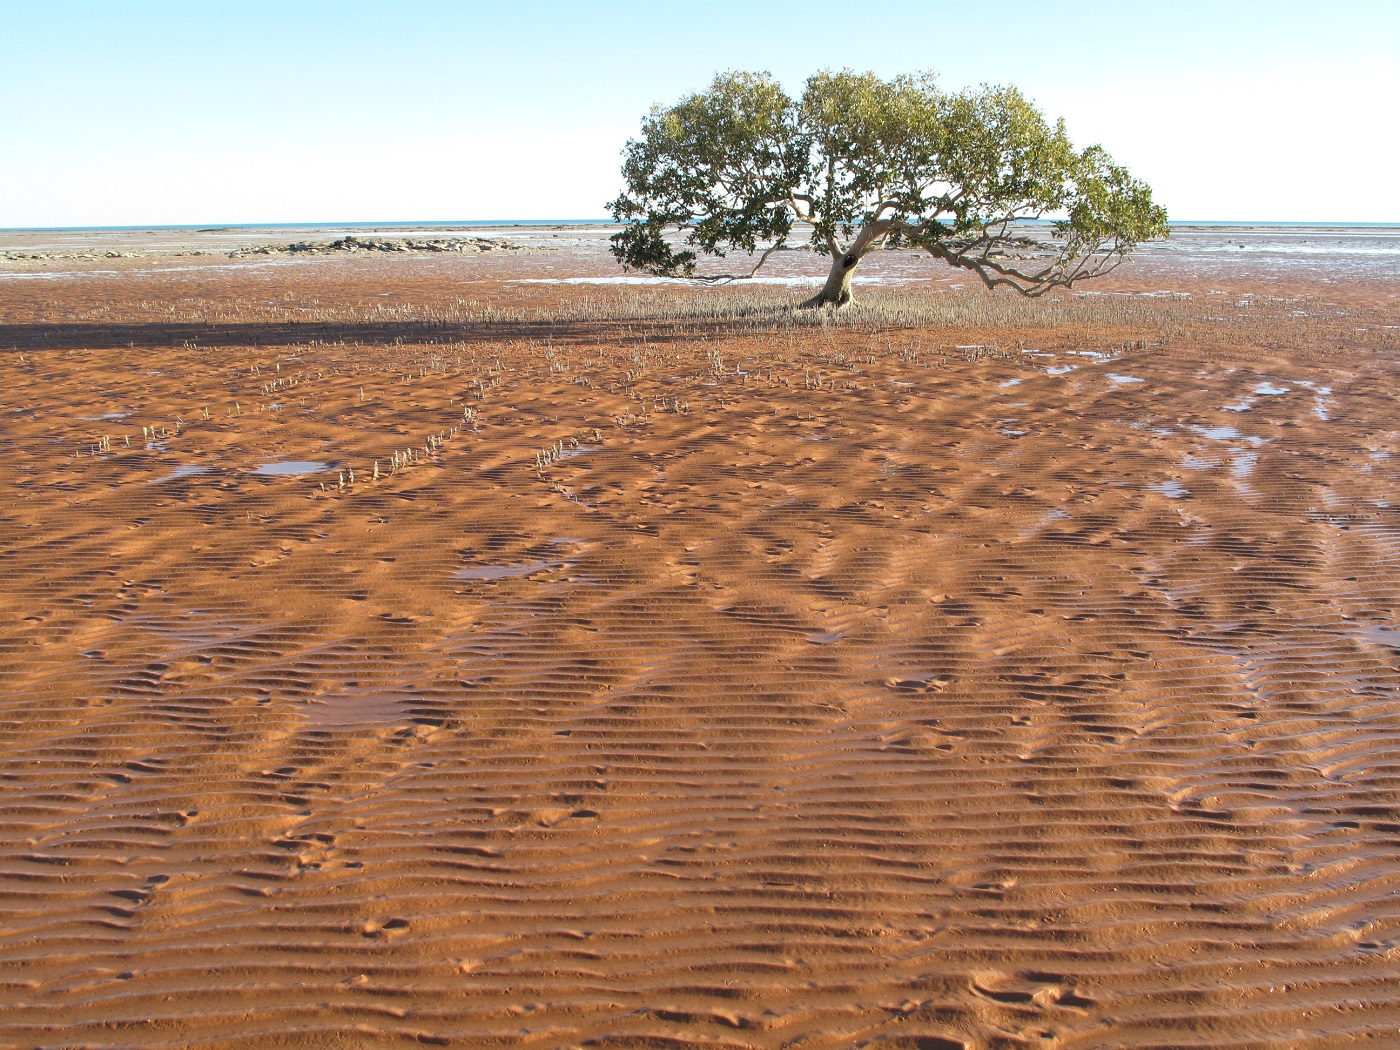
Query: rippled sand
[{"x": 692, "y": 684}]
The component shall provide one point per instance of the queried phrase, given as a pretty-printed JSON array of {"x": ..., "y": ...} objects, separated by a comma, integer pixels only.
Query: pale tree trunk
[{"x": 837, "y": 290}]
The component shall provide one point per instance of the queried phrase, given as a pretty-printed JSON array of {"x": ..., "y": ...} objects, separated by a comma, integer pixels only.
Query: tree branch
[
  {"x": 726, "y": 278},
  {"x": 1062, "y": 273}
]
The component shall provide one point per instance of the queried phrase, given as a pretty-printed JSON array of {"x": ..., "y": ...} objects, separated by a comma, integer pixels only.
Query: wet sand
[{"x": 695, "y": 681}]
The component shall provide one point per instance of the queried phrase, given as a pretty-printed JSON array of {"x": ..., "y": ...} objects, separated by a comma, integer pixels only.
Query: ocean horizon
[{"x": 215, "y": 227}]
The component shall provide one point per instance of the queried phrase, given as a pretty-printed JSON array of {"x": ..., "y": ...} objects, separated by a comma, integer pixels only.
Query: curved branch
[
  {"x": 726, "y": 278},
  {"x": 1062, "y": 273}
]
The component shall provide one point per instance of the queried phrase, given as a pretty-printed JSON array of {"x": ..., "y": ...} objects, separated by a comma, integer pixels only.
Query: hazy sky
[{"x": 204, "y": 111}]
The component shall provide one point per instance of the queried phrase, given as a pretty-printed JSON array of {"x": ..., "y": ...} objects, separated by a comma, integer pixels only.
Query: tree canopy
[{"x": 865, "y": 163}]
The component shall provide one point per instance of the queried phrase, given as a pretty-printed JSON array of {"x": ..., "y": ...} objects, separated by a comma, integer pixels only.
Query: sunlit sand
[{"x": 430, "y": 648}]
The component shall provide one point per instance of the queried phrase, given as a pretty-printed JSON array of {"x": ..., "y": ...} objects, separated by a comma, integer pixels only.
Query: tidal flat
[{"x": 463, "y": 647}]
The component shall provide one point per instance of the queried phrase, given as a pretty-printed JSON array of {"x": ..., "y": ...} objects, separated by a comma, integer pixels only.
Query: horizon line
[{"x": 216, "y": 227}]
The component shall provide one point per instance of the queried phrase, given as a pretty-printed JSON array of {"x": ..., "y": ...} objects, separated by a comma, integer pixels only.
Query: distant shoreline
[
  {"x": 203, "y": 227},
  {"x": 445, "y": 224}
]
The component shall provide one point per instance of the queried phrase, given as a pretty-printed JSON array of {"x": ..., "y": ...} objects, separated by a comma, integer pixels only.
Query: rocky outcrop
[
  {"x": 461, "y": 246},
  {"x": 78, "y": 255},
  {"x": 464, "y": 245}
]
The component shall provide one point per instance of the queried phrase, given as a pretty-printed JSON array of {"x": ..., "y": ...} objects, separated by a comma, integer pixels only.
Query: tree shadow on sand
[{"x": 278, "y": 333}]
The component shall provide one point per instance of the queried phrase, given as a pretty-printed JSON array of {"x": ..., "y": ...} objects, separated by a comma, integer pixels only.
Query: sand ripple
[{"x": 880, "y": 704}]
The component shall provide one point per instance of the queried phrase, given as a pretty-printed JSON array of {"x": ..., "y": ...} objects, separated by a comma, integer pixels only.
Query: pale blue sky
[{"x": 205, "y": 111}]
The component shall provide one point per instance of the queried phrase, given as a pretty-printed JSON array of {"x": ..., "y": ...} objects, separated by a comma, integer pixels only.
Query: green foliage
[
  {"x": 871, "y": 161},
  {"x": 716, "y": 164}
]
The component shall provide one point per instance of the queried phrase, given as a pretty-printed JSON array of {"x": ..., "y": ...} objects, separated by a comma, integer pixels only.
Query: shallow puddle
[
  {"x": 1322, "y": 404},
  {"x": 291, "y": 466},
  {"x": 1378, "y": 634},
  {"x": 503, "y": 572},
  {"x": 1171, "y": 489},
  {"x": 1244, "y": 463},
  {"x": 369, "y": 708},
  {"x": 1052, "y": 515},
  {"x": 1229, "y": 434},
  {"x": 187, "y": 470},
  {"x": 1217, "y": 433}
]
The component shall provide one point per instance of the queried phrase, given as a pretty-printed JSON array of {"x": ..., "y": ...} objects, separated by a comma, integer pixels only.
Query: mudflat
[{"x": 465, "y": 648}]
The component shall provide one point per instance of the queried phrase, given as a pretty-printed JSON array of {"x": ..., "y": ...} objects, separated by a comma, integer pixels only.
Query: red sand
[{"x": 833, "y": 689}]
